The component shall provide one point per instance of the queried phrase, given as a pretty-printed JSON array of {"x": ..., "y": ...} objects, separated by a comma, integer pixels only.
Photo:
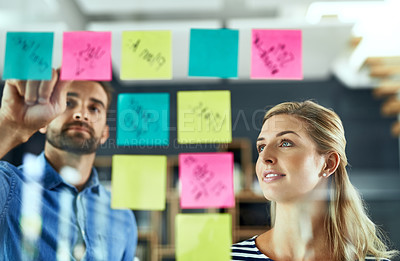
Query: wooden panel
[
  {"x": 396, "y": 129},
  {"x": 102, "y": 161},
  {"x": 382, "y": 60},
  {"x": 386, "y": 88},
  {"x": 382, "y": 71},
  {"x": 354, "y": 41},
  {"x": 391, "y": 107}
]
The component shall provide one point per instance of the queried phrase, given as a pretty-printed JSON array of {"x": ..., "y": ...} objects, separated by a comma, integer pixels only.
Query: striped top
[{"x": 248, "y": 251}]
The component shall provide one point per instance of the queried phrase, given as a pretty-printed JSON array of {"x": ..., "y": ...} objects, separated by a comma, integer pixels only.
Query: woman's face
[{"x": 288, "y": 167}]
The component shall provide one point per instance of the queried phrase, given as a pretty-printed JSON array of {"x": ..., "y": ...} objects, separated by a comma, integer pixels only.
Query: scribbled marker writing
[
  {"x": 87, "y": 57},
  {"x": 204, "y": 112},
  {"x": 214, "y": 120},
  {"x": 274, "y": 57},
  {"x": 204, "y": 183},
  {"x": 133, "y": 45},
  {"x": 189, "y": 160},
  {"x": 138, "y": 120},
  {"x": 31, "y": 47},
  {"x": 156, "y": 60}
]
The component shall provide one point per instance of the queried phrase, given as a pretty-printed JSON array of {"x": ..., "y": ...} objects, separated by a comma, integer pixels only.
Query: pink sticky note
[
  {"x": 86, "y": 56},
  {"x": 206, "y": 180},
  {"x": 276, "y": 54}
]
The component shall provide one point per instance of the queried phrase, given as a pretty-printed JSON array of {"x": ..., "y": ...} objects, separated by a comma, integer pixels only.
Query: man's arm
[{"x": 27, "y": 106}]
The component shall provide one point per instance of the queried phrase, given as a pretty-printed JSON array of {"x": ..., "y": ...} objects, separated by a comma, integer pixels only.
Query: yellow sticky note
[
  {"x": 204, "y": 117},
  {"x": 202, "y": 237},
  {"x": 138, "y": 182},
  {"x": 146, "y": 55}
]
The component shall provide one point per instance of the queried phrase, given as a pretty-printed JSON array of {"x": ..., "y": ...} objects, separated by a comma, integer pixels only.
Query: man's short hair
[{"x": 109, "y": 91}]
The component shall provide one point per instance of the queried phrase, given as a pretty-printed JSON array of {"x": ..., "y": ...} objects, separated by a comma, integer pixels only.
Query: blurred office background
[{"x": 351, "y": 63}]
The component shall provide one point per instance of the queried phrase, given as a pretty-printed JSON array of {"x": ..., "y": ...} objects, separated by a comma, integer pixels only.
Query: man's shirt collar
[{"x": 53, "y": 179}]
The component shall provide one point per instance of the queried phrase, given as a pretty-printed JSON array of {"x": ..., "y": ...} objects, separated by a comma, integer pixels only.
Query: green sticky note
[
  {"x": 204, "y": 117},
  {"x": 146, "y": 55},
  {"x": 28, "y": 56},
  {"x": 138, "y": 182},
  {"x": 202, "y": 237}
]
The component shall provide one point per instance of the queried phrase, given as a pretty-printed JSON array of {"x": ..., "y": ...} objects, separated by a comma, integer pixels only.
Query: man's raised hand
[{"x": 29, "y": 105}]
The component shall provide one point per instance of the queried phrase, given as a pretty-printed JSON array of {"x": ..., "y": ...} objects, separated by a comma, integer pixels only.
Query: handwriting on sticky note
[
  {"x": 143, "y": 119},
  {"x": 207, "y": 180},
  {"x": 276, "y": 54},
  {"x": 28, "y": 56},
  {"x": 153, "y": 60},
  {"x": 274, "y": 57},
  {"x": 204, "y": 183},
  {"x": 206, "y": 113},
  {"x": 139, "y": 120},
  {"x": 86, "y": 56},
  {"x": 146, "y": 54},
  {"x": 30, "y": 47},
  {"x": 204, "y": 117}
]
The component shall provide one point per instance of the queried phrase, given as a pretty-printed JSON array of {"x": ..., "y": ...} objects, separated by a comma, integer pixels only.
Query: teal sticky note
[
  {"x": 28, "y": 56},
  {"x": 213, "y": 53},
  {"x": 143, "y": 119}
]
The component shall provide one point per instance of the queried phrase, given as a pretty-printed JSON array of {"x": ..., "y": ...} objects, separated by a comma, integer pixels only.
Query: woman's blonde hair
[{"x": 351, "y": 234}]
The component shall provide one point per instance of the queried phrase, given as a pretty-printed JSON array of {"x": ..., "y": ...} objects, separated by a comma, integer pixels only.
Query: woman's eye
[
  {"x": 260, "y": 148},
  {"x": 286, "y": 143}
]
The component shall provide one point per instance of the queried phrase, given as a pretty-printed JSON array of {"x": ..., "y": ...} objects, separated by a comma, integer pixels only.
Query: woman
[{"x": 316, "y": 212}]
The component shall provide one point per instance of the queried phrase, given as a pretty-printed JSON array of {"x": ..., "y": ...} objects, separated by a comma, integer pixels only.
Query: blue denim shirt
[{"x": 44, "y": 218}]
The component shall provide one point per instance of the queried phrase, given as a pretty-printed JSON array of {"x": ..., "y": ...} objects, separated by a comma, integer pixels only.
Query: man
[{"x": 45, "y": 214}]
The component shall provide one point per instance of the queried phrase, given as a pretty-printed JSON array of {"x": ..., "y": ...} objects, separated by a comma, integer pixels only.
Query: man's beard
[{"x": 74, "y": 143}]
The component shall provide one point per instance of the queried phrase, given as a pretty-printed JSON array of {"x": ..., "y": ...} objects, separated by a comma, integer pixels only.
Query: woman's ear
[
  {"x": 331, "y": 163},
  {"x": 43, "y": 130}
]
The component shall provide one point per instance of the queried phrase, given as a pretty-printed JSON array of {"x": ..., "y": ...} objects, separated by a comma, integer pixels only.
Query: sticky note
[
  {"x": 276, "y": 54},
  {"x": 146, "y": 55},
  {"x": 138, "y": 182},
  {"x": 213, "y": 53},
  {"x": 204, "y": 117},
  {"x": 28, "y": 56},
  {"x": 206, "y": 180},
  {"x": 203, "y": 237},
  {"x": 86, "y": 56},
  {"x": 143, "y": 119}
]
